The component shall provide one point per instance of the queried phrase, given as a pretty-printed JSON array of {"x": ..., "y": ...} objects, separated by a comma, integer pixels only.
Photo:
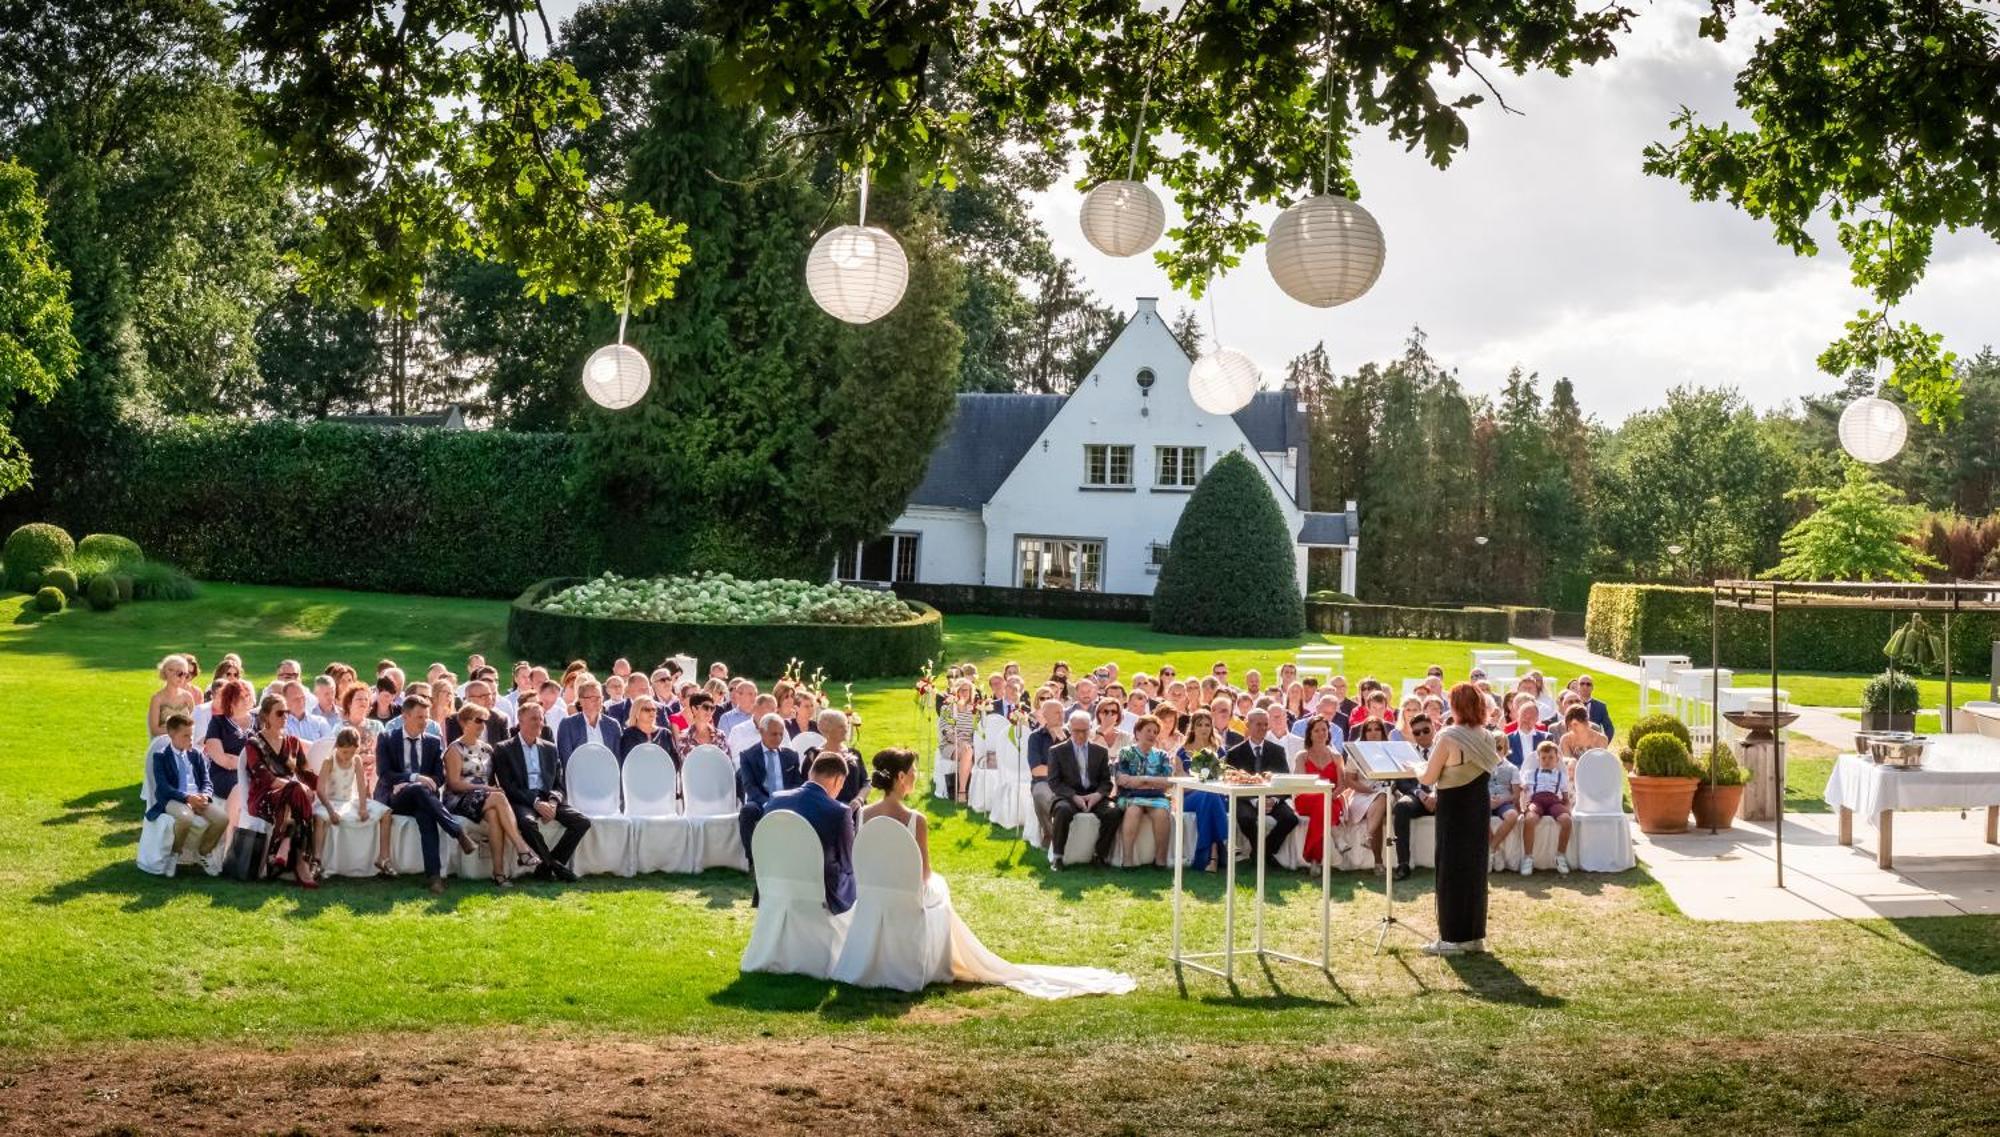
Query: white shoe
[
  {"x": 1562, "y": 864},
  {"x": 1443, "y": 947},
  {"x": 1495, "y": 862},
  {"x": 1474, "y": 947},
  {"x": 1527, "y": 866}
]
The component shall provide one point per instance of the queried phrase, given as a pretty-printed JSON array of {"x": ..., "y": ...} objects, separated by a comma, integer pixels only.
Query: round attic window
[{"x": 1145, "y": 378}]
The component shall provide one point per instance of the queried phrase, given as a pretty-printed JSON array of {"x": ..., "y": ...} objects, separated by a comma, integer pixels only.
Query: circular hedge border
[{"x": 846, "y": 651}]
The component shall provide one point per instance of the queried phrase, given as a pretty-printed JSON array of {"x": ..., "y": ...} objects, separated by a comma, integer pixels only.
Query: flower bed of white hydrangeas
[{"x": 719, "y": 598}]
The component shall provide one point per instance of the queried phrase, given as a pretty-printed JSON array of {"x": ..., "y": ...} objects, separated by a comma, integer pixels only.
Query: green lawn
[
  {"x": 1831, "y": 689},
  {"x": 1599, "y": 996}
]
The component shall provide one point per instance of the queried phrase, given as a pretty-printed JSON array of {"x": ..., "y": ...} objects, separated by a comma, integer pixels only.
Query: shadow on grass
[
  {"x": 1279, "y": 997},
  {"x": 833, "y": 1002},
  {"x": 1489, "y": 980},
  {"x": 119, "y": 805},
  {"x": 1964, "y": 942}
]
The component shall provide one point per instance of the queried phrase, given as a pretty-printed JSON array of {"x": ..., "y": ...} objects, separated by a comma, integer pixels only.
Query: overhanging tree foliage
[
  {"x": 37, "y": 352},
  {"x": 1229, "y": 570},
  {"x": 1860, "y": 531}
]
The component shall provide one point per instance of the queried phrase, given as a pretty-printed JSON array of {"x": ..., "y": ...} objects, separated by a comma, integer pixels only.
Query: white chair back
[
  {"x": 1007, "y": 759},
  {"x": 652, "y": 788},
  {"x": 203, "y": 711},
  {"x": 592, "y": 779},
  {"x": 989, "y": 733},
  {"x": 1293, "y": 745},
  {"x": 742, "y": 737},
  {"x": 146, "y": 767},
  {"x": 1599, "y": 782},
  {"x": 886, "y": 860},
  {"x": 686, "y": 663},
  {"x": 708, "y": 783},
  {"x": 806, "y": 740},
  {"x": 318, "y": 753},
  {"x": 790, "y": 863}
]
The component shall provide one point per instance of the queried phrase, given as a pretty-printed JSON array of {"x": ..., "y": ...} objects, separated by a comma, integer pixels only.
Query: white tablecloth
[{"x": 1962, "y": 771}]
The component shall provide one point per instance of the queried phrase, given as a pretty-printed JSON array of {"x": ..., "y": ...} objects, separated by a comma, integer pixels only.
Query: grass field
[{"x": 616, "y": 1006}]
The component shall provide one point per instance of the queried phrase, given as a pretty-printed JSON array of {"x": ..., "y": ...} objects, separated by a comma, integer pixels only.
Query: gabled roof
[
  {"x": 1321, "y": 530},
  {"x": 450, "y": 418},
  {"x": 1273, "y": 423}
]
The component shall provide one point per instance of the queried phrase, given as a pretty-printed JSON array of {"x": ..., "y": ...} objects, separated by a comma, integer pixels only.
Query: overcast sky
[{"x": 1545, "y": 246}]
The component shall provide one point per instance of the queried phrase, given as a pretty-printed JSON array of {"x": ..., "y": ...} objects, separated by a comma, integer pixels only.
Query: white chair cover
[
  {"x": 203, "y": 711},
  {"x": 1012, "y": 801},
  {"x": 794, "y": 933},
  {"x": 146, "y": 768},
  {"x": 1083, "y": 841},
  {"x": 944, "y": 772},
  {"x": 1601, "y": 836},
  {"x": 806, "y": 740},
  {"x": 1293, "y": 744},
  {"x": 592, "y": 779},
  {"x": 988, "y": 734},
  {"x": 894, "y": 940},
  {"x": 708, "y": 791},
  {"x": 156, "y": 845},
  {"x": 351, "y": 844},
  {"x": 318, "y": 753},
  {"x": 662, "y": 840},
  {"x": 741, "y": 737}
]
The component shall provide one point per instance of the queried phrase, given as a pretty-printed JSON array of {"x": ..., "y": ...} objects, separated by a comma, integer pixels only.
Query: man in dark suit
[
  {"x": 763, "y": 771},
  {"x": 832, "y": 724},
  {"x": 833, "y": 821},
  {"x": 1040, "y": 741},
  {"x": 589, "y": 724},
  {"x": 1600, "y": 715},
  {"x": 528, "y": 772},
  {"x": 409, "y": 768},
  {"x": 1259, "y": 753},
  {"x": 1080, "y": 782},
  {"x": 498, "y": 725}
]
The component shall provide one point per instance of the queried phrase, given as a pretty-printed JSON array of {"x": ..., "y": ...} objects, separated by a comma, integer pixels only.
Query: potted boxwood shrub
[
  {"x": 1719, "y": 794},
  {"x": 1889, "y": 702},
  {"x": 1663, "y": 783},
  {"x": 1651, "y": 724}
]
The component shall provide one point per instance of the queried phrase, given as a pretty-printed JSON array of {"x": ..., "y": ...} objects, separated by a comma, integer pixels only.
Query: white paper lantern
[
  {"x": 1325, "y": 251},
  {"x": 857, "y": 273},
  {"x": 1122, "y": 219},
  {"x": 1873, "y": 430},
  {"x": 616, "y": 376},
  {"x": 1223, "y": 381}
]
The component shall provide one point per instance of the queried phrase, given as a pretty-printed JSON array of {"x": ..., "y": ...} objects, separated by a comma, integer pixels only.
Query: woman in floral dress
[{"x": 1143, "y": 774}]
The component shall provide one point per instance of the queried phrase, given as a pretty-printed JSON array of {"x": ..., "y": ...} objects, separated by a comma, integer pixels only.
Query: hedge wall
[
  {"x": 845, "y": 651},
  {"x": 1626, "y": 621},
  {"x": 1044, "y": 603},
  {"x": 438, "y": 512},
  {"x": 1478, "y": 625}
]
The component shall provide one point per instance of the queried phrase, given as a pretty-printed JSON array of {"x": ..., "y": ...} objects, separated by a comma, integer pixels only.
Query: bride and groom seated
[{"x": 903, "y": 932}]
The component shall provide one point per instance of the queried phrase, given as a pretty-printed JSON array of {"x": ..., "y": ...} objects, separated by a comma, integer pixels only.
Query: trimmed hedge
[
  {"x": 103, "y": 592},
  {"x": 1626, "y": 621},
  {"x": 1479, "y": 625},
  {"x": 1041, "y": 603},
  {"x": 49, "y": 598},
  {"x": 32, "y": 550},
  {"x": 845, "y": 651},
  {"x": 110, "y": 548},
  {"x": 438, "y": 512}
]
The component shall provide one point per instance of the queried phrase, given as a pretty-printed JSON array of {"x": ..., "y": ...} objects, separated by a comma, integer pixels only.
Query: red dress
[
  {"x": 1310, "y": 806},
  {"x": 280, "y": 791}
]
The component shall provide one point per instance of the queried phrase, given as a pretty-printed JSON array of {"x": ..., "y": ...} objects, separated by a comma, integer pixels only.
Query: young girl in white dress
[{"x": 895, "y": 776}]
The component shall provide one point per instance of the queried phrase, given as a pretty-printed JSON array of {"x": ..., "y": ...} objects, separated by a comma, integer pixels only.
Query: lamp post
[{"x": 1674, "y": 551}]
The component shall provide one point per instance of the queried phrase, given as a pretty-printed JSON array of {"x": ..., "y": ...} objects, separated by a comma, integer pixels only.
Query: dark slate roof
[
  {"x": 985, "y": 441},
  {"x": 448, "y": 417},
  {"x": 1273, "y": 423},
  {"x": 1321, "y": 529}
]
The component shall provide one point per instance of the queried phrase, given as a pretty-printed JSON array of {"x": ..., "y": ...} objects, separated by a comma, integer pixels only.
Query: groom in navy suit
[
  {"x": 762, "y": 771},
  {"x": 409, "y": 768},
  {"x": 816, "y": 802}
]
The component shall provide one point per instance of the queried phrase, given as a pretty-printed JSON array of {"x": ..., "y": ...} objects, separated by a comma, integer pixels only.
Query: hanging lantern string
[
  {"x": 1326, "y": 161},
  {"x": 864, "y": 190},
  {"x": 1139, "y": 126},
  {"x": 625, "y": 309},
  {"x": 1214, "y": 321}
]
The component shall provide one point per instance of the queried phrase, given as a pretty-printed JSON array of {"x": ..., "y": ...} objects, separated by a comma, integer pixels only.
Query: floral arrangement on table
[
  {"x": 1206, "y": 764},
  {"x": 719, "y": 598}
]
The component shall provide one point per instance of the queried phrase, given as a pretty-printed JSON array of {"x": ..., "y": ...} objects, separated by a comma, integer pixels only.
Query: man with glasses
[
  {"x": 1413, "y": 799},
  {"x": 1221, "y": 673},
  {"x": 1600, "y": 715}
]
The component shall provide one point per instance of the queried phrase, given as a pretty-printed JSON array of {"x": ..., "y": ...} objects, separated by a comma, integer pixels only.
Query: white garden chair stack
[{"x": 794, "y": 933}]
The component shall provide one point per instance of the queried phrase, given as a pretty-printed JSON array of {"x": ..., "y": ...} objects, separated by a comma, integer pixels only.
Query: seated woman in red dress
[
  {"x": 280, "y": 791},
  {"x": 1320, "y": 759}
]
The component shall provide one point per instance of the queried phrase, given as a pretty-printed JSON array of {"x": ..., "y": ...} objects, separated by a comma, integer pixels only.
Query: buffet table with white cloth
[
  {"x": 1234, "y": 792},
  {"x": 1961, "y": 771}
]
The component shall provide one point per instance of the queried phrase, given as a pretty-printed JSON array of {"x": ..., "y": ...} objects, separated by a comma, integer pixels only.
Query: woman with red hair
[{"x": 1460, "y": 762}]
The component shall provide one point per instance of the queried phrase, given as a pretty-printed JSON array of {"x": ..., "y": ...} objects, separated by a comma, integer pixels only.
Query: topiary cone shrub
[
  {"x": 1230, "y": 570},
  {"x": 32, "y": 550}
]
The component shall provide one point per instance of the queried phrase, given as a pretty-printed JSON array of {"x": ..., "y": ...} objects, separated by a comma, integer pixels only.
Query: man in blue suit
[
  {"x": 833, "y": 821},
  {"x": 181, "y": 787},
  {"x": 763, "y": 771},
  {"x": 1600, "y": 715},
  {"x": 409, "y": 768},
  {"x": 589, "y": 724},
  {"x": 1526, "y": 733}
]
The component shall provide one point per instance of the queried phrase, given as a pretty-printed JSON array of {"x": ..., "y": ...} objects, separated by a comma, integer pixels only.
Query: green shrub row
[
  {"x": 1042, "y": 603},
  {"x": 1479, "y": 625},
  {"x": 1626, "y": 621},
  {"x": 439, "y": 512},
  {"x": 845, "y": 651}
]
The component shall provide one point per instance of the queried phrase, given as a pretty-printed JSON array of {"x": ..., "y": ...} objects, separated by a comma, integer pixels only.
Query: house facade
[{"x": 1083, "y": 491}]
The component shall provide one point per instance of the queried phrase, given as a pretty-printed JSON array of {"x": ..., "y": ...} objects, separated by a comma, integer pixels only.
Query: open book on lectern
[{"x": 1381, "y": 760}]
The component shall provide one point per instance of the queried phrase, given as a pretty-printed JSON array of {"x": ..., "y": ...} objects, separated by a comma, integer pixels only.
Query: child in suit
[{"x": 181, "y": 788}]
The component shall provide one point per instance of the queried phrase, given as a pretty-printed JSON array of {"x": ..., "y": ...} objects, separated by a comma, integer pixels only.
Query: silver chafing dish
[{"x": 1896, "y": 748}]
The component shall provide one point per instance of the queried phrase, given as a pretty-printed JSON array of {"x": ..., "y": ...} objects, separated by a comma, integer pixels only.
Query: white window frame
[
  {"x": 1088, "y": 565},
  {"x": 1182, "y": 459},
  {"x": 847, "y": 565},
  {"x": 1100, "y": 465}
]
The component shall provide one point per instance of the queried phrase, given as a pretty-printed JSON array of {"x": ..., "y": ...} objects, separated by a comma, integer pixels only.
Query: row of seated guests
[
  {"x": 413, "y": 749},
  {"x": 1150, "y": 734}
]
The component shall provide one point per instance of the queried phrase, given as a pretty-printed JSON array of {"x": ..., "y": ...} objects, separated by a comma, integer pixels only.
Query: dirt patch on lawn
[{"x": 513, "y": 1083}]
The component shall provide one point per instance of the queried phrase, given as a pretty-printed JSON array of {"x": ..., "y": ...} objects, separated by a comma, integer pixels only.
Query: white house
[{"x": 1083, "y": 491}]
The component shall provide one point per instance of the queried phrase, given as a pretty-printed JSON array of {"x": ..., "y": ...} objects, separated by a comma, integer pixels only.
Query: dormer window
[{"x": 1107, "y": 465}]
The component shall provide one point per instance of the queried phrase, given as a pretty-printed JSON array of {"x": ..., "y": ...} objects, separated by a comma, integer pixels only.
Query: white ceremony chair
[
  {"x": 893, "y": 940},
  {"x": 944, "y": 771},
  {"x": 1083, "y": 841},
  {"x": 1601, "y": 834},
  {"x": 203, "y": 711},
  {"x": 741, "y": 737},
  {"x": 1007, "y": 799},
  {"x": 351, "y": 844},
  {"x": 708, "y": 791},
  {"x": 592, "y": 780},
  {"x": 318, "y": 753},
  {"x": 146, "y": 768},
  {"x": 794, "y": 933},
  {"x": 987, "y": 737},
  {"x": 662, "y": 839},
  {"x": 806, "y": 740},
  {"x": 156, "y": 845}
]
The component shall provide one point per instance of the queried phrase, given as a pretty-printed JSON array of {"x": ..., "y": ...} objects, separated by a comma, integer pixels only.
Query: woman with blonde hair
[
  {"x": 176, "y": 694},
  {"x": 961, "y": 717}
]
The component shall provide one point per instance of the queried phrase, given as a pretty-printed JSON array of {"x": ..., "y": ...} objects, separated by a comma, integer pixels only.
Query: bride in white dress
[{"x": 895, "y": 776}]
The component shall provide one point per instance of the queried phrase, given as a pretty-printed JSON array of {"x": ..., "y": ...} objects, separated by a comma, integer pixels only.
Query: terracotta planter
[
  {"x": 1715, "y": 806},
  {"x": 1662, "y": 804}
]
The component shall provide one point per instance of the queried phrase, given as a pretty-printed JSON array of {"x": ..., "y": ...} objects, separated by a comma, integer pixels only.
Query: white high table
[
  {"x": 1234, "y": 793},
  {"x": 1961, "y": 771}
]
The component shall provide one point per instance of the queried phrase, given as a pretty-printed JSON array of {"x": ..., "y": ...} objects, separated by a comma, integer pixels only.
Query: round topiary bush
[
  {"x": 49, "y": 599},
  {"x": 1656, "y": 724},
  {"x": 126, "y": 587},
  {"x": 110, "y": 548},
  {"x": 1231, "y": 569},
  {"x": 103, "y": 592},
  {"x": 63, "y": 578},
  {"x": 32, "y": 550},
  {"x": 1663, "y": 755}
]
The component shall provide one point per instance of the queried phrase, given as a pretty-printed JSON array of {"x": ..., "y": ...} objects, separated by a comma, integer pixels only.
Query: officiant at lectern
[{"x": 1459, "y": 766}]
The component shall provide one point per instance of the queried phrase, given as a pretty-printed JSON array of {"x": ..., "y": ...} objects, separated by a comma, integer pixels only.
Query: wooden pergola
[{"x": 1773, "y": 596}]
